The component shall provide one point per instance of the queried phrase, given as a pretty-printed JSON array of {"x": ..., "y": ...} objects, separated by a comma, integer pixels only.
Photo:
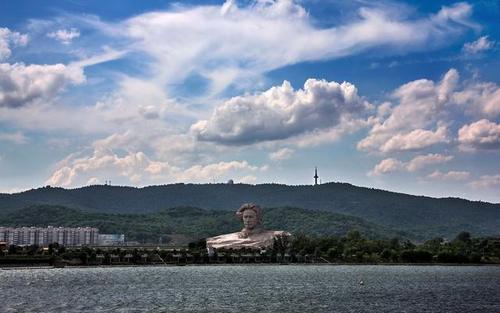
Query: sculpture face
[
  {"x": 251, "y": 236},
  {"x": 250, "y": 219}
]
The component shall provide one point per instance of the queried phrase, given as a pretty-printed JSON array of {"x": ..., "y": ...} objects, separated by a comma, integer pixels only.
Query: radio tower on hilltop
[{"x": 316, "y": 176}]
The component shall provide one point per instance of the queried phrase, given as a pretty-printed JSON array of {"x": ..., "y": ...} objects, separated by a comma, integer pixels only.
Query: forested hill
[
  {"x": 416, "y": 214},
  {"x": 193, "y": 223}
]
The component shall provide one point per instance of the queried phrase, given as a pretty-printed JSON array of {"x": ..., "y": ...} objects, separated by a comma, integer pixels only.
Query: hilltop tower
[{"x": 316, "y": 176}]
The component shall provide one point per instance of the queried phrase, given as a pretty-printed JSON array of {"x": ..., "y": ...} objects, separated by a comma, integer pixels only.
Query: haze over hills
[{"x": 423, "y": 217}]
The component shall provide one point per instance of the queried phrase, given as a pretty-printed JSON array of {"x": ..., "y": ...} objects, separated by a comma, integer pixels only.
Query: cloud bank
[
  {"x": 280, "y": 112},
  {"x": 419, "y": 162}
]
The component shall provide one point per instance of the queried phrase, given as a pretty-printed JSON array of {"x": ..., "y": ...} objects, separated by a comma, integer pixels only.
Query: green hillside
[
  {"x": 423, "y": 217},
  {"x": 194, "y": 223}
]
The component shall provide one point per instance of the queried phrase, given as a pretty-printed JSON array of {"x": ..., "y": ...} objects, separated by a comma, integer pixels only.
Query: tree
[
  {"x": 463, "y": 236},
  {"x": 12, "y": 249},
  {"x": 281, "y": 243},
  {"x": 434, "y": 245},
  {"x": 354, "y": 235},
  {"x": 53, "y": 248}
]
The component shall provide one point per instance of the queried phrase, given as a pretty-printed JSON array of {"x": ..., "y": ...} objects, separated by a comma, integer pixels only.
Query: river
[{"x": 253, "y": 288}]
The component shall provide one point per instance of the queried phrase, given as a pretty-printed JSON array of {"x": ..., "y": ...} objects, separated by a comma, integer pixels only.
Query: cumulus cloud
[
  {"x": 22, "y": 84},
  {"x": 480, "y": 99},
  {"x": 348, "y": 124},
  {"x": 135, "y": 167},
  {"x": 104, "y": 163},
  {"x": 387, "y": 166},
  {"x": 482, "y": 134},
  {"x": 486, "y": 181},
  {"x": 449, "y": 176},
  {"x": 425, "y": 111},
  {"x": 390, "y": 165},
  {"x": 134, "y": 106},
  {"x": 414, "y": 140},
  {"x": 280, "y": 112},
  {"x": 230, "y": 43},
  {"x": 281, "y": 154},
  {"x": 408, "y": 125},
  {"x": 480, "y": 45},
  {"x": 216, "y": 171},
  {"x": 8, "y": 38},
  {"x": 423, "y": 161},
  {"x": 65, "y": 36}
]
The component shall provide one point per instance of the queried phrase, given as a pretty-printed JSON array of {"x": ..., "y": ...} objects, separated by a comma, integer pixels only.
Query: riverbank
[{"x": 7, "y": 268}]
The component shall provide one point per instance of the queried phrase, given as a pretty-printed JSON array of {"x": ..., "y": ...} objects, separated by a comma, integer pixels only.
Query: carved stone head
[{"x": 251, "y": 215}]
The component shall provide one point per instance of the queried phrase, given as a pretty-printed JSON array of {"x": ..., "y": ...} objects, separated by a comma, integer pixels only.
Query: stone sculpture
[{"x": 253, "y": 235}]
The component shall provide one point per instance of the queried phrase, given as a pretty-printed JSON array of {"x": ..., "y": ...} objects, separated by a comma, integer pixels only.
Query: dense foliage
[
  {"x": 351, "y": 248},
  {"x": 423, "y": 217},
  {"x": 354, "y": 248},
  {"x": 193, "y": 223}
]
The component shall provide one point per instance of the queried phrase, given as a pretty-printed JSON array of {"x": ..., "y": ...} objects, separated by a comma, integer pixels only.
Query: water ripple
[{"x": 253, "y": 288}]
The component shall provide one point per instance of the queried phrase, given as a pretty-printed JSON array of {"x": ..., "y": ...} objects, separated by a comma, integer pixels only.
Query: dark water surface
[{"x": 253, "y": 289}]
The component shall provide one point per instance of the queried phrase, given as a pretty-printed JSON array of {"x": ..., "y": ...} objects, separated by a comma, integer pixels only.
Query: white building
[
  {"x": 66, "y": 236},
  {"x": 111, "y": 239}
]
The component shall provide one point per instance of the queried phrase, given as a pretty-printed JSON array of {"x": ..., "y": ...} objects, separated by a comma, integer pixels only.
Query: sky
[{"x": 401, "y": 96}]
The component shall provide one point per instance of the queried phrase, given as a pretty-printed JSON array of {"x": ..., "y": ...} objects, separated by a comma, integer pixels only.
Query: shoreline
[{"x": 8, "y": 268}]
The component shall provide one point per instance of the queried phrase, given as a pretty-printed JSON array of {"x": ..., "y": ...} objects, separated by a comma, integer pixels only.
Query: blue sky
[{"x": 402, "y": 96}]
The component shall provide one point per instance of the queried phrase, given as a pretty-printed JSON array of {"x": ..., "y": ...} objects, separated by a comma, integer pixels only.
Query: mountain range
[{"x": 418, "y": 216}]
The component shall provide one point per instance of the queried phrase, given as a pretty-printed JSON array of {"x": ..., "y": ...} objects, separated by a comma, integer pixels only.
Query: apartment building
[{"x": 67, "y": 236}]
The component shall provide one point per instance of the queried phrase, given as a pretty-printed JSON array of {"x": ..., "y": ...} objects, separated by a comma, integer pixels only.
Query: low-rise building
[{"x": 111, "y": 239}]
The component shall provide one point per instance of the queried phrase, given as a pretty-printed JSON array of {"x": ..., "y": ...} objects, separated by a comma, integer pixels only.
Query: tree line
[{"x": 352, "y": 248}]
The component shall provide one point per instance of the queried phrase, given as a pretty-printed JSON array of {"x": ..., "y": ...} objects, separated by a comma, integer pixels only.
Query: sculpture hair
[{"x": 249, "y": 206}]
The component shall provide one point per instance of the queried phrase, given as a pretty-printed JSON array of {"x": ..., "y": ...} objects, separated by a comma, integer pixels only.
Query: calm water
[{"x": 252, "y": 289}]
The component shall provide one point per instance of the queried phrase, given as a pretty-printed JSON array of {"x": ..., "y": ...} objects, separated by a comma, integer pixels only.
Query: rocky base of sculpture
[{"x": 239, "y": 240}]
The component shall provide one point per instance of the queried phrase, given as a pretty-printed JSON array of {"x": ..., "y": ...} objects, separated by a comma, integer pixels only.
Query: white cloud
[
  {"x": 105, "y": 164},
  {"x": 65, "y": 36},
  {"x": 134, "y": 106},
  {"x": 108, "y": 161},
  {"x": 93, "y": 181},
  {"x": 348, "y": 124},
  {"x": 280, "y": 112},
  {"x": 16, "y": 137},
  {"x": 482, "y": 134},
  {"x": 415, "y": 140},
  {"x": 486, "y": 181},
  {"x": 387, "y": 166},
  {"x": 480, "y": 45},
  {"x": 249, "y": 179},
  {"x": 8, "y": 38},
  {"x": 422, "y": 106},
  {"x": 426, "y": 110},
  {"x": 390, "y": 165},
  {"x": 281, "y": 154},
  {"x": 214, "y": 172},
  {"x": 22, "y": 84},
  {"x": 449, "y": 176},
  {"x": 479, "y": 98},
  {"x": 423, "y": 161},
  {"x": 230, "y": 43}
]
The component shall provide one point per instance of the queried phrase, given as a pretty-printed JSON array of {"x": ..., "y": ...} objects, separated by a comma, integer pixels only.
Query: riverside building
[
  {"x": 66, "y": 236},
  {"x": 111, "y": 239}
]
